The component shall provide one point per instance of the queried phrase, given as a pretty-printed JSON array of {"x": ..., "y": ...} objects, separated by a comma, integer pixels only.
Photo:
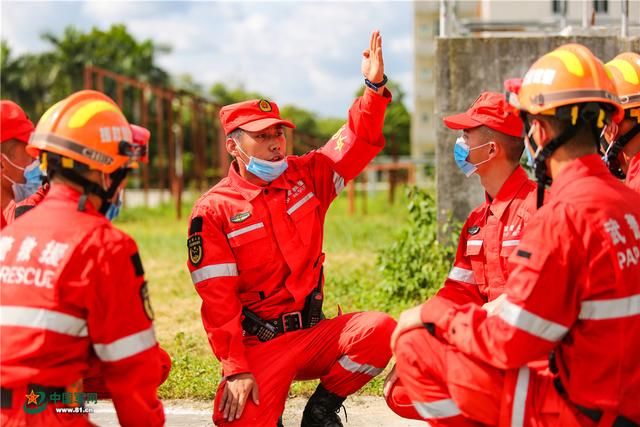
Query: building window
[
  {"x": 601, "y": 6},
  {"x": 559, "y": 7},
  {"x": 425, "y": 118},
  {"x": 426, "y": 74}
]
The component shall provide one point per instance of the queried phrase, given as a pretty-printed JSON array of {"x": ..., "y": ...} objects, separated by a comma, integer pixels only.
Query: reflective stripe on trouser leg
[{"x": 363, "y": 345}]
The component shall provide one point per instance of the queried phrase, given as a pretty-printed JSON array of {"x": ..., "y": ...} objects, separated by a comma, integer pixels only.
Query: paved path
[{"x": 362, "y": 411}]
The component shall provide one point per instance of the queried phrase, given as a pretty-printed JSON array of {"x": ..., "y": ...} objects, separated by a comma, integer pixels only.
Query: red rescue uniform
[
  {"x": 73, "y": 288},
  {"x": 574, "y": 290},
  {"x": 481, "y": 268},
  {"x": 261, "y": 248},
  {"x": 15, "y": 210},
  {"x": 633, "y": 173}
]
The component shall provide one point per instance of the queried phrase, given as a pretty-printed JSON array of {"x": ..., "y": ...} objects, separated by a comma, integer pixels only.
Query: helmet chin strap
[
  {"x": 89, "y": 187},
  {"x": 545, "y": 153},
  {"x": 613, "y": 163}
]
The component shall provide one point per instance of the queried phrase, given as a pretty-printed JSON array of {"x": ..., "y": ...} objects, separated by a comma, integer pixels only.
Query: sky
[{"x": 305, "y": 53}]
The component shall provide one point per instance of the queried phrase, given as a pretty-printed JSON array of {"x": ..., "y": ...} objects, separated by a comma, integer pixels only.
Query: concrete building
[{"x": 482, "y": 18}]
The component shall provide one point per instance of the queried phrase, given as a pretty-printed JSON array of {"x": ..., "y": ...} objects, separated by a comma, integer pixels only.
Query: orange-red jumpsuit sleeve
[
  {"x": 542, "y": 301},
  {"x": 119, "y": 323},
  {"x": 633, "y": 173},
  {"x": 214, "y": 273},
  {"x": 460, "y": 286},
  {"x": 353, "y": 146}
]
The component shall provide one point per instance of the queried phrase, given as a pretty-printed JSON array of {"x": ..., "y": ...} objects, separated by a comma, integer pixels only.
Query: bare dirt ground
[{"x": 362, "y": 411}]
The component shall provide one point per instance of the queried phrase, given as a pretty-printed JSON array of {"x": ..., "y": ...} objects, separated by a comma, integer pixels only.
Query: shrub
[{"x": 415, "y": 266}]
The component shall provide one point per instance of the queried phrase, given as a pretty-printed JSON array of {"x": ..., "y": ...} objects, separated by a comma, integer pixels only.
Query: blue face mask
[
  {"x": 264, "y": 169},
  {"x": 32, "y": 180},
  {"x": 114, "y": 209},
  {"x": 528, "y": 149},
  {"x": 460, "y": 153}
]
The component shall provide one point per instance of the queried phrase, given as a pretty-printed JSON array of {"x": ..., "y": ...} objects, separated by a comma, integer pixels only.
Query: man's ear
[
  {"x": 543, "y": 132},
  {"x": 494, "y": 148},
  {"x": 611, "y": 131},
  {"x": 232, "y": 147}
]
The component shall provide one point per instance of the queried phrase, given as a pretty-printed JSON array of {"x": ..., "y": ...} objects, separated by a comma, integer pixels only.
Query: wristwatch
[{"x": 376, "y": 86}]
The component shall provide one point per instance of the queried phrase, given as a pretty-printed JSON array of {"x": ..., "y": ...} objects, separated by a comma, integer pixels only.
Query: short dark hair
[
  {"x": 512, "y": 145},
  {"x": 584, "y": 141}
]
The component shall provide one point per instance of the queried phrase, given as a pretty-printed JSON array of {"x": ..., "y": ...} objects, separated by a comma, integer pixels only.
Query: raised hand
[{"x": 372, "y": 61}]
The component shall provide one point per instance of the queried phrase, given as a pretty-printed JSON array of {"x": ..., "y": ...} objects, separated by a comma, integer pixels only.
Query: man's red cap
[
  {"x": 492, "y": 110},
  {"x": 15, "y": 123},
  {"x": 253, "y": 115}
]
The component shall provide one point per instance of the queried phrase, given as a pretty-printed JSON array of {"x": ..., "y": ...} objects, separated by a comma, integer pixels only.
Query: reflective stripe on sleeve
[
  {"x": 127, "y": 346},
  {"x": 462, "y": 275},
  {"x": 41, "y": 318},
  {"x": 213, "y": 271},
  {"x": 338, "y": 183},
  {"x": 508, "y": 243},
  {"x": 474, "y": 242},
  {"x": 535, "y": 325},
  {"x": 610, "y": 308}
]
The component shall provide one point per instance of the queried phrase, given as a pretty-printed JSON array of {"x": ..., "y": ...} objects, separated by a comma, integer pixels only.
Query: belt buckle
[{"x": 291, "y": 321}]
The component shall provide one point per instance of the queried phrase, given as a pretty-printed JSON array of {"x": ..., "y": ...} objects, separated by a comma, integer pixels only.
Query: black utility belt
[
  {"x": 592, "y": 414},
  {"x": 267, "y": 330}
]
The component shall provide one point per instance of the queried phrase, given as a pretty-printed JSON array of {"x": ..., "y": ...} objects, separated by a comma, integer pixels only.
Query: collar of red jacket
[
  {"x": 67, "y": 193},
  {"x": 507, "y": 192},
  {"x": 590, "y": 165},
  {"x": 250, "y": 191}
]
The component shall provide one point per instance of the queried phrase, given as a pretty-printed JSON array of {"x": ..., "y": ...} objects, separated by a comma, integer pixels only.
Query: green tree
[
  {"x": 114, "y": 49},
  {"x": 397, "y": 122},
  {"x": 27, "y": 80},
  {"x": 223, "y": 95},
  {"x": 35, "y": 81}
]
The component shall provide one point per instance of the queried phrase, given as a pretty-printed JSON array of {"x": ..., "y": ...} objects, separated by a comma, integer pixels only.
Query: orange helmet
[
  {"x": 89, "y": 128},
  {"x": 569, "y": 75},
  {"x": 625, "y": 73}
]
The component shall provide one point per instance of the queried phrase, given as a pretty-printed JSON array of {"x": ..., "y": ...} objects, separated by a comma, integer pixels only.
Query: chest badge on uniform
[
  {"x": 194, "y": 243},
  {"x": 473, "y": 230},
  {"x": 240, "y": 217}
]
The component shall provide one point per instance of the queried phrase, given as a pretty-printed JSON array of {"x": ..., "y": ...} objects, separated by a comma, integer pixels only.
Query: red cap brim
[
  {"x": 258, "y": 125},
  {"x": 461, "y": 121}
]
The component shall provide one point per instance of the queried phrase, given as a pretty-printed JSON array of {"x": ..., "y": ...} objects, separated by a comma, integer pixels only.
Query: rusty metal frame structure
[
  {"x": 169, "y": 130},
  {"x": 168, "y": 137}
]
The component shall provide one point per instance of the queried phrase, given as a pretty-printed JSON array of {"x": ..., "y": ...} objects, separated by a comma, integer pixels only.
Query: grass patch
[{"x": 353, "y": 280}]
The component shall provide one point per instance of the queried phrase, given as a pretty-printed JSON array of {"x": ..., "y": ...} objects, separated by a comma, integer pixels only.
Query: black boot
[
  {"x": 322, "y": 408},
  {"x": 280, "y": 422}
]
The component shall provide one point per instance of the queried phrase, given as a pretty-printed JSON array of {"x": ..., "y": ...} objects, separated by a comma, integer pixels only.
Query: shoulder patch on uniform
[
  {"x": 196, "y": 225},
  {"x": 473, "y": 230},
  {"x": 196, "y": 251},
  {"x": 242, "y": 216},
  {"x": 21, "y": 210},
  {"x": 523, "y": 254},
  {"x": 146, "y": 301},
  {"x": 137, "y": 264}
]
